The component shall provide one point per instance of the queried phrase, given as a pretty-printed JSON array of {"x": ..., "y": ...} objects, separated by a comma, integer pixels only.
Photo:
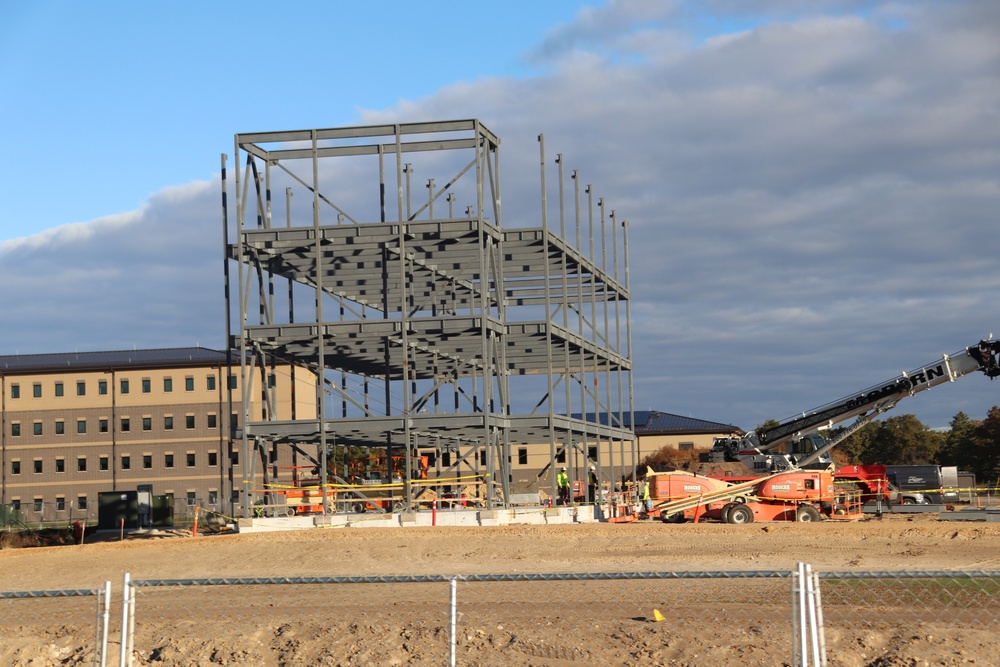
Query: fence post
[
  {"x": 818, "y": 618},
  {"x": 454, "y": 587},
  {"x": 105, "y": 614},
  {"x": 131, "y": 623},
  {"x": 123, "y": 653},
  {"x": 807, "y": 619}
]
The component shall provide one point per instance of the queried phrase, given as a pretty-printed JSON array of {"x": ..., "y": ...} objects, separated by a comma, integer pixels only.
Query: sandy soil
[{"x": 718, "y": 621}]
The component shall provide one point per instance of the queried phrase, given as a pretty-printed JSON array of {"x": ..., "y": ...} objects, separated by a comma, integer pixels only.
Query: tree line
[{"x": 972, "y": 445}]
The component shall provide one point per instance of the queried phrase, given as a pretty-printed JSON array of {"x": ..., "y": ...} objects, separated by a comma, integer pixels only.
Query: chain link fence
[
  {"x": 655, "y": 618},
  {"x": 864, "y": 619}
]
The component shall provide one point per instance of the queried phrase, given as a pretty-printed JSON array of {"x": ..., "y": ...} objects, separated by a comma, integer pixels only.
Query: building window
[
  {"x": 211, "y": 383},
  {"x": 37, "y": 428},
  {"x": 36, "y": 390},
  {"x": 168, "y": 460},
  {"x": 102, "y": 425},
  {"x": 212, "y": 421},
  {"x": 81, "y": 502},
  {"x": 522, "y": 456},
  {"x": 15, "y": 467},
  {"x": 15, "y": 429},
  {"x": 592, "y": 453},
  {"x": 59, "y": 389},
  {"x": 60, "y": 465},
  {"x": 213, "y": 459},
  {"x": 685, "y": 446},
  {"x": 38, "y": 504},
  {"x": 232, "y": 382},
  {"x": 81, "y": 388},
  {"x": 146, "y": 386},
  {"x": 234, "y": 457},
  {"x": 189, "y": 383},
  {"x": 147, "y": 461},
  {"x": 124, "y": 386},
  {"x": 81, "y": 464},
  {"x": 446, "y": 459},
  {"x": 147, "y": 423},
  {"x": 234, "y": 421},
  {"x": 38, "y": 466},
  {"x": 60, "y": 427},
  {"x": 561, "y": 457},
  {"x": 126, "y": 462},
  {"x": 188, "y": 421},
  {"x": 482, "y": 457},
  {"x": 168, "y": 423},
  {"x": 15, "y": 391},
  {"x": 213, "y": 496},
  {"x": 168, "y": 385},
  {"x": 103, "y": 464},
  {"x": 190, "y": 498},
  {"x": 102, "y": 387},
  {"x": 60, "y": 504},
  {"x": 15, "y": 504},
  {"x": 81, "y": 425},
  {"x": 126, "y": 424},
  {"x": 190, "y": 459}
]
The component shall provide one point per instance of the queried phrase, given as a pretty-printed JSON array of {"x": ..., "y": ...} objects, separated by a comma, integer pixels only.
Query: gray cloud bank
[{"x": 812, "y": 204}]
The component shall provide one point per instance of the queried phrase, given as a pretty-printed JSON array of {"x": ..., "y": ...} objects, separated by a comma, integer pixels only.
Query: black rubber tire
[
  {"x": 724, "y": 514},
  {"x": 676, "y": 517},
  {"x": 740, "y": 514},
  {"x": 806, "y": 514},
  {"x": 359, "y": 508}
]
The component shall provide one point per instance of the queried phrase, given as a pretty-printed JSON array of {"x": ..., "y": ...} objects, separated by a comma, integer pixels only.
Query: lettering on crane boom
[{"x": 922, "y": 376}]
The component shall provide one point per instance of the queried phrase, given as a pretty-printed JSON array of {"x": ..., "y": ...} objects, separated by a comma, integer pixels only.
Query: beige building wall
[
  {"x": 68, "y": 436},
  {"x": 527, "y": 461}
]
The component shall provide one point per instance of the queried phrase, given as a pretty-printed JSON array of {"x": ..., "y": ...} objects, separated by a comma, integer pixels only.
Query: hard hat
[
  {"x": 564, "y": 468},
  {"x": 592, "y": 468}
]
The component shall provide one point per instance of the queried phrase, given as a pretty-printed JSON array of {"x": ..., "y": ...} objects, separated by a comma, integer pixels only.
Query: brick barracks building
[{"x": 76, "y": 425}]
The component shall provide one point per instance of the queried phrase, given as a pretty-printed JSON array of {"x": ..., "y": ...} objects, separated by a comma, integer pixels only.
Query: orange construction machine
[{"x": 798, "y": 495}]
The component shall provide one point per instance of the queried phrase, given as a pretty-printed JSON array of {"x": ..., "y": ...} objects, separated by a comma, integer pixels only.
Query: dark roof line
[
  {"x": 147, "y": 358},
  {"x": 653, "y": 422}
]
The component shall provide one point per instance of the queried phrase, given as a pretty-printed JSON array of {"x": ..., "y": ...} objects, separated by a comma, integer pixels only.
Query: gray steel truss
[{"x": 420, "y": 328}]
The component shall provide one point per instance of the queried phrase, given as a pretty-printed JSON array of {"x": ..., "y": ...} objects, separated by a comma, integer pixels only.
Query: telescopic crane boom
[{"x": 756, "y": 448}]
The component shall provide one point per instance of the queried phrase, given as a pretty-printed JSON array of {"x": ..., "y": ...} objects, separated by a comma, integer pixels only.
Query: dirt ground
[{"x": 706, "y": 621}]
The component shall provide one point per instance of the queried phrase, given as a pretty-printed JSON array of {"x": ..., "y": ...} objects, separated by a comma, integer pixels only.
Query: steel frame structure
[{"x": 422, "y": 328}]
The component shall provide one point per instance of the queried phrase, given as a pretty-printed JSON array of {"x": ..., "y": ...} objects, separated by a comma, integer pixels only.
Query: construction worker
[
  {"x": 647, "y": 502},
  {"x": 562, "y": 482},
  {"x": 592, "y": 483}
]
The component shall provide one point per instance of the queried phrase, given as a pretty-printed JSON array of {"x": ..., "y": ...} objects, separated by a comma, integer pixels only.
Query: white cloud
[{"x": 148, "y": 278}]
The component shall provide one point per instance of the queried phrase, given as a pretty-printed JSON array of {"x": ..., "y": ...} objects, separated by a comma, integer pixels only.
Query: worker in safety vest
[
  {"x": 646, "y": 500},
  {"x": 562, "y": 481}
]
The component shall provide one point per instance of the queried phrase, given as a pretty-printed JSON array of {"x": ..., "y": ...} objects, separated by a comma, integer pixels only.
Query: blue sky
[
  {"x": 811, "y": 187},
  {"x": 114, "y": 100}
]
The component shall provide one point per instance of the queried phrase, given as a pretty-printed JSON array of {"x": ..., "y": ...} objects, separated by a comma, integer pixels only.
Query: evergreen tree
[
  {"x": 986, "y": 447},
  {"x": 958, "y": 448},
  {"x": 902, "y": 440}
]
